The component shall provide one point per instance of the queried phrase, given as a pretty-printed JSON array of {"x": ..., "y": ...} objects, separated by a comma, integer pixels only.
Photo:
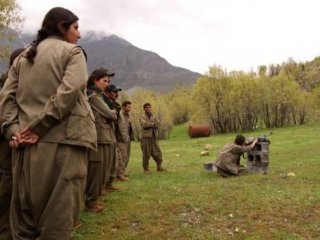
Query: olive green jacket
[
  {"x": 5, "y": 154},
  {"x": 149, "y": 126},
  {"x": 125, "y": 127},
  {"x": 49, "y": 95},
  {"x": 104, "y": 119},
  {"x": 229, "y": 157}
]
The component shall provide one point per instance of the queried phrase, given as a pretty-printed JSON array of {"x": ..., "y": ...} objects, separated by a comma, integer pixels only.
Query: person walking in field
[{"x": 149, "y": 140}]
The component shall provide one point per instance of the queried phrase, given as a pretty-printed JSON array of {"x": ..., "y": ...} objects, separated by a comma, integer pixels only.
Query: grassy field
[{"x": 188, "y": 202}]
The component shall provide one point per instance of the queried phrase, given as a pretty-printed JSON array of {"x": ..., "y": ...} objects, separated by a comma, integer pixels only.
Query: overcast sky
[{"x": 196, "y": 34}]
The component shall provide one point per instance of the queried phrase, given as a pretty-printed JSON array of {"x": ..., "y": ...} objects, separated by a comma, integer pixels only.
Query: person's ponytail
[{"x": 32, "y": 52}]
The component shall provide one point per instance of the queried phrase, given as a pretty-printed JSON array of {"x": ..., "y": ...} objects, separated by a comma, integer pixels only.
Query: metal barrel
[{"x": 201, "y": 130}]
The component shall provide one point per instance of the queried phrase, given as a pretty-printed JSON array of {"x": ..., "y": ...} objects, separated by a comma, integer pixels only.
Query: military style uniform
[
  {"x": 228, "y": 161},
  {"x": 114, "y": 151},
  {"x": 100, "y": 162},
  {"x": 48, "y": 96},
  {"x": 125, "y": 137},
  {"x": 5, "y": 187},
  {"x": 149, "y": 141},
  {"x": 119, "y": 157}
]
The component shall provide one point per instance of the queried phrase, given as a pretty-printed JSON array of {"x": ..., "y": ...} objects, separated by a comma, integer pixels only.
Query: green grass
[{"x": 188, "y": 202}]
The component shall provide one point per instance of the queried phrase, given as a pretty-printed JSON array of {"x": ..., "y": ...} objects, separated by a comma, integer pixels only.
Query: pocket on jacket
[
  {"x": 106, "y": 135},
  {"x": 75, "y": 162},
  {"x": 80, "y": 126}
]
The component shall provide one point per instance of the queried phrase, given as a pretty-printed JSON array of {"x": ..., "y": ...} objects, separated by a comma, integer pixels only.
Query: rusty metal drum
[{"x": 201, "y": 130}]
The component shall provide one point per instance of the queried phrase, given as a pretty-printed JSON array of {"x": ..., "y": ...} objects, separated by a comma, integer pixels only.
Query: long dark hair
[
  {"x": 15, "y": 54},
  {"x": 56, "y": 21},
  {"x": 96, "y": 75}
]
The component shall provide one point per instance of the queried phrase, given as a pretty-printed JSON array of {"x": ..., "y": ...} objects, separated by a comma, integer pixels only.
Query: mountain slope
[{"x": 133, "y": 66}]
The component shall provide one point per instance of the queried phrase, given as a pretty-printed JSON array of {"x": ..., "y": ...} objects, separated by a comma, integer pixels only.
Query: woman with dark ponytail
[
  {"x": 56, "y": 23},
  {"x": 50, "y": 125}
]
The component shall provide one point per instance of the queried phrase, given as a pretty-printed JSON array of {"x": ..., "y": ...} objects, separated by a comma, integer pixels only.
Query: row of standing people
[
  {"x": 114, "y": 135},
  {"x": 113, "y": 128},
  {"x": 54, "y": 126}
]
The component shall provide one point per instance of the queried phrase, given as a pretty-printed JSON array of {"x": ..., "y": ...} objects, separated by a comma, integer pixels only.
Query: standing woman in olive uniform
[
  {"x": 46, "y": 113},
  {"x": 100, "y": 163}
]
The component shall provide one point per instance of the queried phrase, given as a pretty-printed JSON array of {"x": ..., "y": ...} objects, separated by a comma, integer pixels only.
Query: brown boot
[
  {"x": 93, "y": 207},
  {"x": 112, "y": 189},
  {"x": 103, "y": 192},
  {"x": 76, "y": 224},
  {"x": 161, "y": 169},
  {"x": 122, "y": 178},
  {"x": 100, "y": 204}
]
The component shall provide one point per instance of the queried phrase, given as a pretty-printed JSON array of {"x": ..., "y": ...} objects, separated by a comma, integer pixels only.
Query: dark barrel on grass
[{"x": 200, "y": 130}]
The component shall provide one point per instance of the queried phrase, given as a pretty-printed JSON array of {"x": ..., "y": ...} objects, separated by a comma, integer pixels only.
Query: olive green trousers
[
  {"x": 5, "y": 189},
  {"x": 48, "y": 190},
  {"x": 150, "y": 148}
]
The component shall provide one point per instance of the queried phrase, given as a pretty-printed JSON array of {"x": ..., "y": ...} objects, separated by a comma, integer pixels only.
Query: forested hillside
[{"x": 279, "y": 95}]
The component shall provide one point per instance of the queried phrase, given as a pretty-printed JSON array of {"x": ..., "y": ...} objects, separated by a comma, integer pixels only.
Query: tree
[
  {"x": 274, "y": 70},
  {"x": 246, "y": 101},
  {"x": 180, "y": 104},
  {"x": 160, "y": 108},
  {"x": 10, "y": 23},
  {"x": 211, "y": 93},
  {"x": 262, "y": 71},
  {"x": 216, "y": 72},
  {"x": 281, "y": 101}
]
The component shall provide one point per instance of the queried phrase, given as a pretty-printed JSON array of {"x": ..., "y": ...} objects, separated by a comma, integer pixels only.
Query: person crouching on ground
[{"x": 228, "y": 161}]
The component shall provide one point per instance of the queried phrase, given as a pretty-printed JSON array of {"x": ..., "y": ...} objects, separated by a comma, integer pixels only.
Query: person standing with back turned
[{"x": 51, "y": 126}]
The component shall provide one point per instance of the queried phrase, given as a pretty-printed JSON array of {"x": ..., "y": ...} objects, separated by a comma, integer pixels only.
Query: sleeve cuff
[
  {"x": 40, "y": 127},
  {"x": 10, "y": 131}
]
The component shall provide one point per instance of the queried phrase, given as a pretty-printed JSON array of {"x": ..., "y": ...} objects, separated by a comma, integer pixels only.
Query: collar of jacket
[
  {"x": 94, "y": 90},
  {"x": 56, "y": 37}
]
